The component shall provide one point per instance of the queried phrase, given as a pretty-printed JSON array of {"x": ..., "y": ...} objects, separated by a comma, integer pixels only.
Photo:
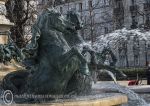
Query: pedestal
[{"x": 5, "y": 24}]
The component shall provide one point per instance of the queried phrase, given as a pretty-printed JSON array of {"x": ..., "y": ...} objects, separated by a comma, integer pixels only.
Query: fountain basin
[
  {"x": 92, "y": 100},
  {"x": 97, "y": 98},
  {"x": 140, "y": 88},
  {"x": 105, "y": 101}
]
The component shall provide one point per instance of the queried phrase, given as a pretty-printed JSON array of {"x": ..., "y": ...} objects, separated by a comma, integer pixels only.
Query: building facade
[
  {"x": 96, "y": 16},
  {"x": 104, "y": 16}
]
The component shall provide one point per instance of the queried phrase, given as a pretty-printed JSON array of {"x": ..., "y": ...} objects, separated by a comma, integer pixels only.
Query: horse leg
[
  {"x": 15, "y": 81},
  {"x": 74, "y": 52},
  {"x": 77, "y": 82}
]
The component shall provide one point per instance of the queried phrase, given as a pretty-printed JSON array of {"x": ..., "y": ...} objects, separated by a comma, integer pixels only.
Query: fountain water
[
  {"x": 110, "y": 74},
  {"x": 133, "y": 97}
]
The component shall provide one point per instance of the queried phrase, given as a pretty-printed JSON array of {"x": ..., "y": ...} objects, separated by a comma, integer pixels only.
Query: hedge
[{"x": 131, "y": 73}]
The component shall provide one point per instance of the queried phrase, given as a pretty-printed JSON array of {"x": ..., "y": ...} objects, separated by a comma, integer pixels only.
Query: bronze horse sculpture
[{"x": 59, "y": 68}]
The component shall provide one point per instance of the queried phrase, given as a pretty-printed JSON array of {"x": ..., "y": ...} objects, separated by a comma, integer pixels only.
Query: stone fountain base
[
  {"x": 97, "y": 97},
  {"x": 103, "y": 99},
  {"x": 140, "y": 88}
]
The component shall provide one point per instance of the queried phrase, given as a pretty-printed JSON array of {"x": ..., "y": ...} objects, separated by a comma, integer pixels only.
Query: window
[
  {"x": 136, "y": 60},
  {"x": 119, "y": 3},
  {"x": 80, "y": 6},
  {"x": 147, "y": 1},
  {"x": 104, "y": 2},
  {"x": 106, "y": 30},
  {"x": 133, "y": 2},
  {"x": 90, "y": 4},
  {"x": 61, "y": 10}
]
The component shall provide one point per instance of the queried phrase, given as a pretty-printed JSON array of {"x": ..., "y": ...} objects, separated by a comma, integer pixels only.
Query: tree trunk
[{"x": 16, "y": 14}]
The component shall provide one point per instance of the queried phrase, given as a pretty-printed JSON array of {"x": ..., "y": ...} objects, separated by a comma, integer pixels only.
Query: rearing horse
[{"x": 56, "y": 61}]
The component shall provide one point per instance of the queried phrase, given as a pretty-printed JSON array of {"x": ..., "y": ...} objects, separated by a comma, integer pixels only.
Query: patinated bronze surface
[{"x": 59, "y": 67}]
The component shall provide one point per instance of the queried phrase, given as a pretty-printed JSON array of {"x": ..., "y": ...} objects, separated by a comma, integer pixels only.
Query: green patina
[{"x": 59, "y": 67}]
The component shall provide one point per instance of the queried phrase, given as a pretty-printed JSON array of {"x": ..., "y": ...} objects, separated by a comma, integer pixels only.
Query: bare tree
[{"x": 21, "y": 13}]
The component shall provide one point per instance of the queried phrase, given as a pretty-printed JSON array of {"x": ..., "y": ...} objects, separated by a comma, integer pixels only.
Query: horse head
[
  {"x": 73, "y": 17},
  {"x": 57, "y": 21}
]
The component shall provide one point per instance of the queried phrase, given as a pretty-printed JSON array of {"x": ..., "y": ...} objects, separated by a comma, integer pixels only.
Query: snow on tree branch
[{"x": 117, "y": 36}]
